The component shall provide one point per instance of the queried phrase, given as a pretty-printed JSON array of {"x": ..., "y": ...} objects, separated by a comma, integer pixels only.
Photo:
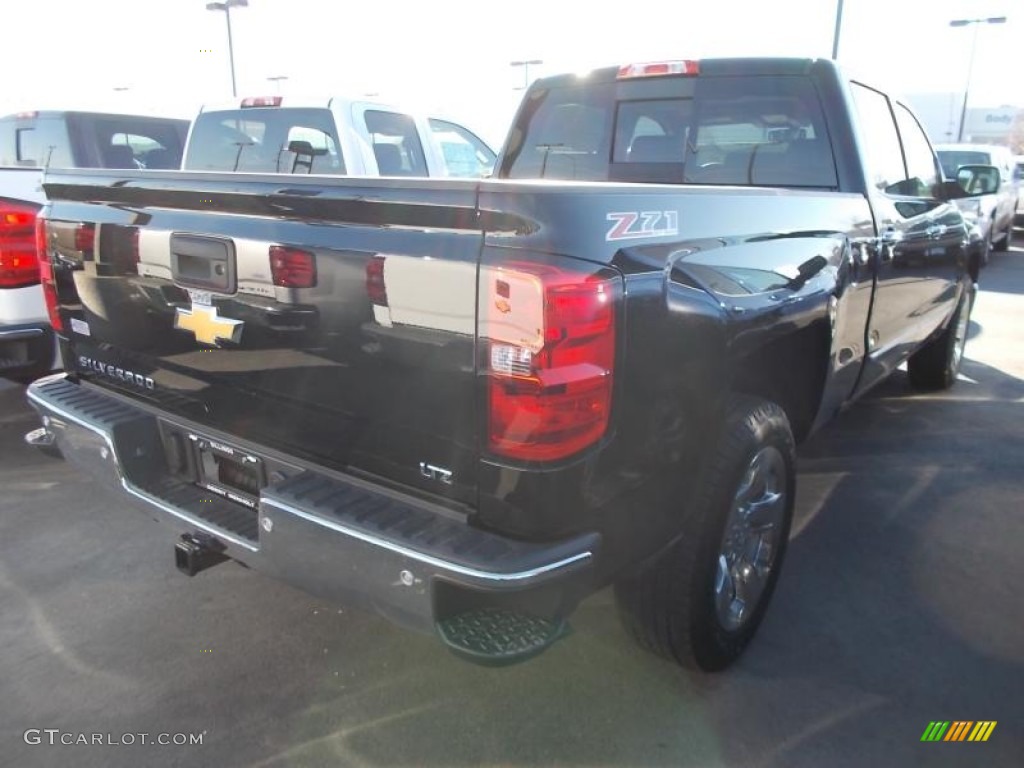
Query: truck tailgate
[{"x": 335, "y": 322}]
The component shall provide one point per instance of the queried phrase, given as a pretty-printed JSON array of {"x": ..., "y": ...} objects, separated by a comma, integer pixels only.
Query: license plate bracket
[{"x": 229, "y": 472}]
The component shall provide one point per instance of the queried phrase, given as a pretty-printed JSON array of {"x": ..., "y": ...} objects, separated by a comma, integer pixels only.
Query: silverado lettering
[
  {"x": 130, "y": 377},
  {"x": 605, "y": 398}
]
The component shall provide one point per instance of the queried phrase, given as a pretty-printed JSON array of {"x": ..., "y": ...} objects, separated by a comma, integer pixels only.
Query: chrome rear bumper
[{"x": 334, "y": 536}]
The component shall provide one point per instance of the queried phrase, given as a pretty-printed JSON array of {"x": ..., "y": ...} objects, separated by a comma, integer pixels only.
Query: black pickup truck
[{"x": 470, "y": 404}]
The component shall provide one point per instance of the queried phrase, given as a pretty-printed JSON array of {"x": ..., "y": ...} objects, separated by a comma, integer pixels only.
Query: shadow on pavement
[{"x": 899, "y": 604}]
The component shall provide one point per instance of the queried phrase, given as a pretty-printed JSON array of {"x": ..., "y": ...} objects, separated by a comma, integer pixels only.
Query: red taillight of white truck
[
  {"x": 19, "y": 266},
  {"x": 549, "y": 333},
  {"x": 292, "y": 267},
  {"x": 46, "y": 275}
]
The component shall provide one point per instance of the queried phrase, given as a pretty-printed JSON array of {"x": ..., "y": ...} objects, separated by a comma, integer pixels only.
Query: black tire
[
  {"x": 978, "y": 258},
  {"x": 937, "y": 364},
  {"x": 1003, "y": 243},
  {"x": 672, "y": 606}
]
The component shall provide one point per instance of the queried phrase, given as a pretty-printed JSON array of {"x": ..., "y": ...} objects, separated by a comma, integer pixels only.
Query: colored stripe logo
[{"x": 959, "y": 730}]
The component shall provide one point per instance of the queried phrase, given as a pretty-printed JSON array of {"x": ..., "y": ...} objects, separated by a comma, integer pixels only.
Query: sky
[{"x": 452, "y": 57}]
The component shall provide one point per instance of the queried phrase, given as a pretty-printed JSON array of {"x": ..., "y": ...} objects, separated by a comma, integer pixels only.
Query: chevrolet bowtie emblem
[{"x": 207, "y": 326}]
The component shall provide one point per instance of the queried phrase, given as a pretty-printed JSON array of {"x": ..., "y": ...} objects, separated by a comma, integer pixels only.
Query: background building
[{"x": 940, "y": 114}]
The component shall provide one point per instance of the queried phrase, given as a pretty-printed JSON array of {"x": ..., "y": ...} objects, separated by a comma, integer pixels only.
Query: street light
[
  {"x": 526, "y": 70},
  {"x": 226, "y": 6},
  {"x": 276, "y": 79},
  {"x": 839, "y": 28},
  {"x": 970, "y": 65}
]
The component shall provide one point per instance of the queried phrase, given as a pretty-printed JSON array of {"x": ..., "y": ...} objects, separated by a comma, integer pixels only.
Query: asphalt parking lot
[{"x": 900, "y": 604}]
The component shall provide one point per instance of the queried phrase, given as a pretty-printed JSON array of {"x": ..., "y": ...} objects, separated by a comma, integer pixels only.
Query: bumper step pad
[{"x": 496, "y": 637}]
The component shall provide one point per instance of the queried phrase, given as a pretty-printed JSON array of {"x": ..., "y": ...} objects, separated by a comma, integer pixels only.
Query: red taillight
[
  {"x": 376, "y": 289},
  {"x": 85, "y": 238},
  {"x": 292, "y": 267},
  {"x": 551, "y": 335},
  {"x": 658, "y": 69},
  {"x": 46, "y": 276},
  {"x": 19, "y": 266},
  {"x": 261, "y": 101}
]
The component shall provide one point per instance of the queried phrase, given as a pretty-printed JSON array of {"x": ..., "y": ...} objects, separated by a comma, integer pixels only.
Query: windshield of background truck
[
  {"x": 265, "y": 140},
  {"x": 767, "y": 131},
  {"x": 465, "y": 154}
]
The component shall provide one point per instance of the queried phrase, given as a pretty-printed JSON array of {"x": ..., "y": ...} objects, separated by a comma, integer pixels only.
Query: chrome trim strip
[
  {"x": 23, "y": 333},
  {"x": 421, "y": 557},
  {"x": 139, "y": 494}
]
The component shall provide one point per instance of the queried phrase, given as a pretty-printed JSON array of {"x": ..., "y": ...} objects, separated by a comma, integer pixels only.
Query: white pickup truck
[
  {"x": 30, "y": 142},
  {"x": 258, "y": 135},
  {"x": 340, "y": 137}
]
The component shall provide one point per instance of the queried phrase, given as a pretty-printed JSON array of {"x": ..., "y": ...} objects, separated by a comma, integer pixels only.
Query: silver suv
[{"x": 995, "y": 212}]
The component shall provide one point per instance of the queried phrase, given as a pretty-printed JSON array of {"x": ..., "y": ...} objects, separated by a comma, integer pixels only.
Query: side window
[
  {"x": 25, "y": 146},
  {"x": 396, "y": 144},
  {"x": 563, "y": 133},
  {"x": 36, "y": 141},
  {"x": 465, "y": 155},
  {"x": 881, "y": 141},
  {"x": 922, "y": 175}
]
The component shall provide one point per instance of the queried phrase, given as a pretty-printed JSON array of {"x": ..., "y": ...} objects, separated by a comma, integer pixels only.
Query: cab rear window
[
  {"x": 270, "y": 140},
  {"x": 748, "y": 131}
]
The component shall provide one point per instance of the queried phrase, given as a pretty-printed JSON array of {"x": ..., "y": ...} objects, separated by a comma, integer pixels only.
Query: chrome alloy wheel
[{"x": 750, "y": 543}]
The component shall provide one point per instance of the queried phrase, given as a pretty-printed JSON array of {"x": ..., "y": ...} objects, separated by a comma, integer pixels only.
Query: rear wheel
[
  {"x": 1003, "y": 242},
  {"x": 937, "y": 364},
  {"x": 979, "y": 257},
  {"x": 701, "y": 601}
]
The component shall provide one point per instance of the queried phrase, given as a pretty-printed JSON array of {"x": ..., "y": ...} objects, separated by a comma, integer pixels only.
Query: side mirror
[{"x": 978, "y": 179}]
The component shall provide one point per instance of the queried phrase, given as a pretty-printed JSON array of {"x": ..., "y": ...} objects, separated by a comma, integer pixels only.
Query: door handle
[{"x": 886, "y": 243}]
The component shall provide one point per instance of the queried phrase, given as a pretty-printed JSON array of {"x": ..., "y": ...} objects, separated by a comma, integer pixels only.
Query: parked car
[
  {"x": 1018, "y": 176},
  {"x": 29, "y": 142},
  {"x": 994, "y": 212},
  {"x": 279, "y": 134},
  {"x": 471, "y": 403}
]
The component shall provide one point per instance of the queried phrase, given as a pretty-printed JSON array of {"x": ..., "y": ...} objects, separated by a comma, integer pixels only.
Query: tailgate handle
[{"x": 203, "y": 262}]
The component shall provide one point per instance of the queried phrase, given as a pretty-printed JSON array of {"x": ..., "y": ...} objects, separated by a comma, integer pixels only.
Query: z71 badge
[{"x": 633, "y": 225}]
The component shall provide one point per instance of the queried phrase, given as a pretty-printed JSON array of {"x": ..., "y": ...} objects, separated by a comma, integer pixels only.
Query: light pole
[
  {"x": 526, "y": 70},
  {"x": 839, "y": 27},
  {"x": 226, "y": 6},
  {"x": 970, "y": 66},
  {"x": 276, "y": 80}
]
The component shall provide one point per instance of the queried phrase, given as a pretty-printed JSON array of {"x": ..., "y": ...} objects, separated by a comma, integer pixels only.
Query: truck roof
[
  {"x": 45, "y": 113},
  {"x": 710, "y": 66},
  {"x": 972, "y": 147},
  {"x": 303, "y": 102}
]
